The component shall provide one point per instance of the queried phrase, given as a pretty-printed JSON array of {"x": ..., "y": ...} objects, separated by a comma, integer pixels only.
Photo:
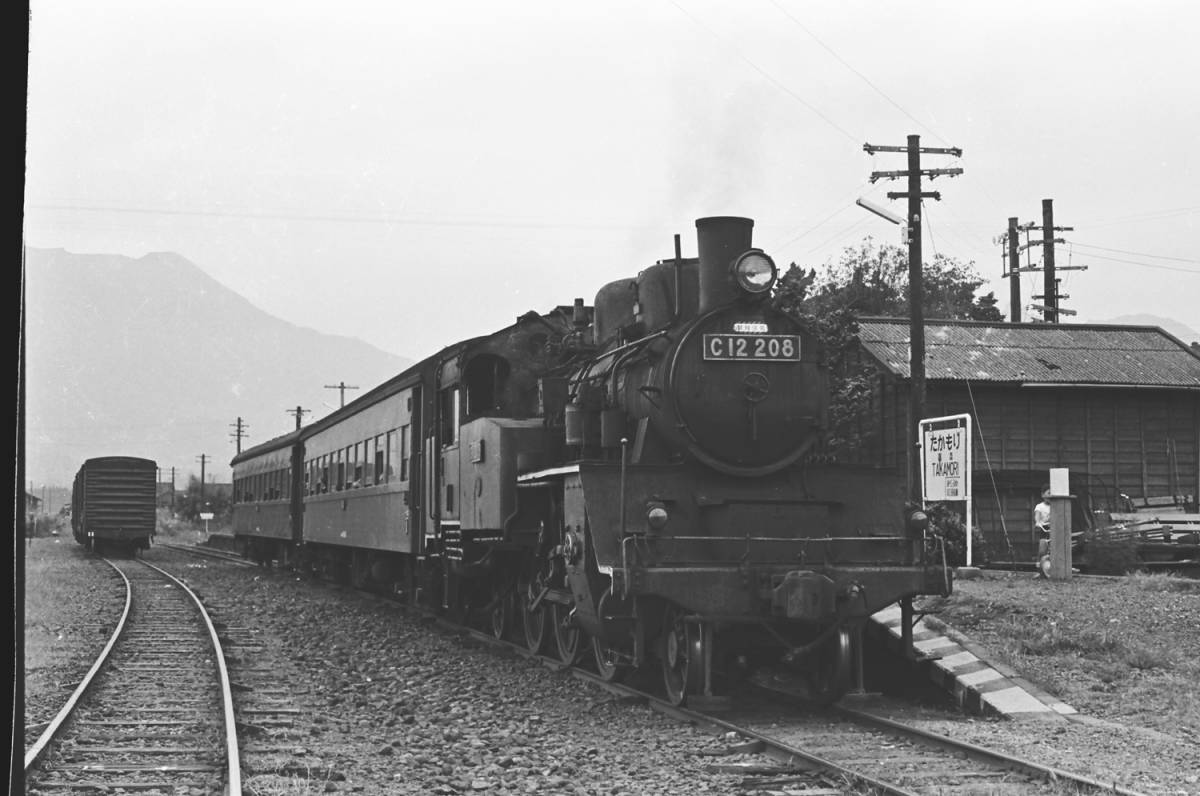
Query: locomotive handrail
[
  {"x": 704, "y": 501},
  {"x": 56, "y": 723},
  {"x": 641, "y": 341}
]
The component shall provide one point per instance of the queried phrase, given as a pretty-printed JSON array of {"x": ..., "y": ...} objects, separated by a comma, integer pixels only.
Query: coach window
[
  {"x": 380, "y": 474},
  {"x": 448, "y": 413},
  {"x": 404, "y": 452},
  {"x": 324, "y": 473},
  {"x": 391, "y": 455}
]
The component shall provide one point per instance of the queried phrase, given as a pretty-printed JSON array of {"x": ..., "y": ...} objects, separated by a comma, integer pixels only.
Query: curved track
[{"x": 155, "y": 711}]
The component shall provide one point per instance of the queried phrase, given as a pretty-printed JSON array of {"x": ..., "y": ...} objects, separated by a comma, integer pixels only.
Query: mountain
[
  {"x": 152, "y": 357},
  {"x": 1184, "y": 333}
]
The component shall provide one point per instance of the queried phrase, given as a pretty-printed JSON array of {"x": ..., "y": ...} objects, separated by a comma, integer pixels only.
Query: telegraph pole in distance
[
  {"x": 1051, "y": 297},
  {"x": 1014, "y": 272},
  {"x": 299, "y": 413},
  {"x": 916, "y": 293},
  {"x": 203, "y": 458},
  {"x": 239, "y": 431},
  {"x": 341, "y": 387}
]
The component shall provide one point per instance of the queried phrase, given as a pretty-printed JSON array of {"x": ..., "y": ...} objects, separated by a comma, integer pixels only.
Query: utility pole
[
  {"x": 1051, "y": 297},
  {"x": 341, "y": 387},
  {"x": 1014, "y": 272},
  {"x": 172, "y": 490},
  {"x": 1050, "y": 288},
  {"x": 203, "y": 459},
  {"x": 298, "y": 412},
  {"x": 916, "y": 293},
  {"x": 239, "y": 431}
]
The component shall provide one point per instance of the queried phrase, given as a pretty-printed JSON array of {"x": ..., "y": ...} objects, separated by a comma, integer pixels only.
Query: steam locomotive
[{"x": 627, "y": 480}]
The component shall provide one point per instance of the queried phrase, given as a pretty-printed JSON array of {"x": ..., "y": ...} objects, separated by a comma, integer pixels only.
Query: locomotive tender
[
  {"x": 627, "y": 479},
  {"x": 113, "y": 503}
]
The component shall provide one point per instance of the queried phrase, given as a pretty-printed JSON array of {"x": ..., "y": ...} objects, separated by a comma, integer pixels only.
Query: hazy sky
[{"x": 414, "y": 173}]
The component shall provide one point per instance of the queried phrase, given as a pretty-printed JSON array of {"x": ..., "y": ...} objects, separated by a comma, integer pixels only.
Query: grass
[
  {"x": 66, "y": 623},
  {"x": 1126, "y": 647},
  {"x": 1162, "y": 582}
]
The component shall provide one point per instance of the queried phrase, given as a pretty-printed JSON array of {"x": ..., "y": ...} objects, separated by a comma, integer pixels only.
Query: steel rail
[
  {"x": 981, "y": 753},
  {"x": 774, "y": 748},
  {"x": 35, "y": 752},
  {"x": 789, "y": 754},
  {"x": 233, "y": 784}
]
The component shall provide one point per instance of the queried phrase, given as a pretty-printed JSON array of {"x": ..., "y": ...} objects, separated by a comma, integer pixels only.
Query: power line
[
  {"x": 1136, "y": 254},
  {"x": 766, "y": 74},
  {"x": 1154, "y": 215},
  {"x": 1146, "y": 265},
  {"x": 345, "y": 219},
  {"x": 844, "y": 63}
]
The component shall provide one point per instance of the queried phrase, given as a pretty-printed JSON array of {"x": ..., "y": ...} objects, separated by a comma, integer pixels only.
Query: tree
[
  {"x": 215, "y": 500},
  {"x": 871, "y": 280}
]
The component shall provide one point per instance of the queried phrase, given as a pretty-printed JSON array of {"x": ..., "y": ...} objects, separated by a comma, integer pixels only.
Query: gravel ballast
[{"x": 388, "y": 703}]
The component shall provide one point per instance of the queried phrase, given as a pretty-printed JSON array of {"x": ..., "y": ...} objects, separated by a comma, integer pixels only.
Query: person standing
[{"x": 1041, "y": 529}]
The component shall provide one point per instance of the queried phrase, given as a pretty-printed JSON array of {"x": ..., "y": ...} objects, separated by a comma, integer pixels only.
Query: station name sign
[{"x": 946, "y": 458}]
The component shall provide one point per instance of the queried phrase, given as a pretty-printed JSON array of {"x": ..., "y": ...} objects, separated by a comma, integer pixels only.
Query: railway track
[
  {"x": 154, "y": 714},
  {"x": 885, "y": 756},
  {"x": 779, "y": 742}
]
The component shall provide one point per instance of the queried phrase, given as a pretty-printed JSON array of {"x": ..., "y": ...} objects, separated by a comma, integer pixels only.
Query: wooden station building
[{"x": 1119, "y": 406}]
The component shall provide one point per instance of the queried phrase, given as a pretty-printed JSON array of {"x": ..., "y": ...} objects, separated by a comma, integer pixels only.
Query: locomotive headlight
[
  {"x": 656, "y": 515},
  {"x": 755, "y": 272}
]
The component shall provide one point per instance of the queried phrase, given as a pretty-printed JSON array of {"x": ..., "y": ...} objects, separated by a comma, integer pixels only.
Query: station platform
[{"x": 961, "y": 667}]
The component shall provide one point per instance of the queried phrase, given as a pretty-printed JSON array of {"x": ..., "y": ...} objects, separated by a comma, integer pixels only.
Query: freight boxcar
[{"x": 113, "y": 504}]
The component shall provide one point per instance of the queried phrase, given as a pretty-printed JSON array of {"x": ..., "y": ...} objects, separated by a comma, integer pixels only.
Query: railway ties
[
  {"x": 893, "y": 757},
  {"x": 154, "y": 714}
]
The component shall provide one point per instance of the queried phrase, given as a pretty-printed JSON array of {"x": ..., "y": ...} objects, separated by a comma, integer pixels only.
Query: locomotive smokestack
[{"x": 720, "y": 239}]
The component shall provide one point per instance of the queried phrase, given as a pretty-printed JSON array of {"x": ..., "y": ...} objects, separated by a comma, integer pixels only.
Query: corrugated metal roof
[{"x": 1036, "y": 353}]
